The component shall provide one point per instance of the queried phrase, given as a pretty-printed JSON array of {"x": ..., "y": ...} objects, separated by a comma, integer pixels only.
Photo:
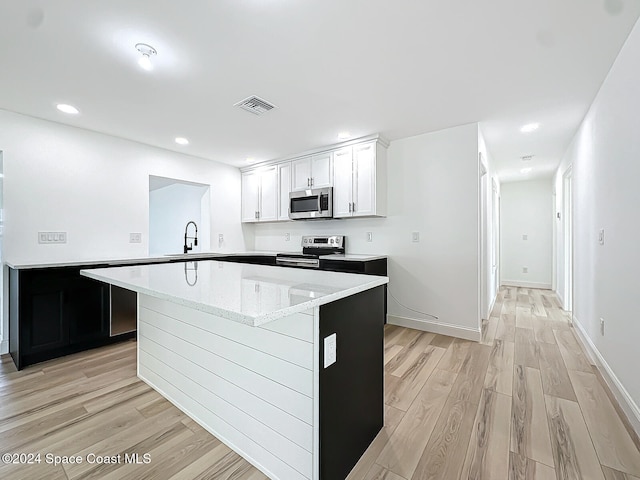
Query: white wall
[
  {"x": 170, "y": 208},
  {"x": 432, "y": 189},
  {"x": 527, "y": 209},
  {"x": 605, "y": 171},
  {"x": 96, "y": 188}
]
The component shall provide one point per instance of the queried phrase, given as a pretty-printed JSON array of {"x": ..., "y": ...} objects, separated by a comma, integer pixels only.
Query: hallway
[{"x": 525, "y": 403}]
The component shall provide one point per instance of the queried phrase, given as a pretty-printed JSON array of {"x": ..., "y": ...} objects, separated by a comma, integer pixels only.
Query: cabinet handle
[
  {"x": 308, "y": 182},
  {"x": 312, "y": 181},
  {"x": 354, "y": 207},
  {"x": 349, "y": 207},
  {"x": 256, "y": 215}
]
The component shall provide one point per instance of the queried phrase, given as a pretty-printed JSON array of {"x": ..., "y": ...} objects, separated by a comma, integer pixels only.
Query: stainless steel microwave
[{"x": 309, "y": 204}]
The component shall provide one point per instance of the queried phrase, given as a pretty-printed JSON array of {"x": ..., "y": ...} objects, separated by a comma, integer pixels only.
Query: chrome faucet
[{"x": 195, "y": 238}]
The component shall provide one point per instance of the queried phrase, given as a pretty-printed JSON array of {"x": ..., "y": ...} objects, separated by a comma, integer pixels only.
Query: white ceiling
[{"x": 398, "y": 68}]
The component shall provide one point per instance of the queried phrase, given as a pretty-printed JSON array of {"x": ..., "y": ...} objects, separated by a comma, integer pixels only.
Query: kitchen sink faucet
[{"x": 195, "y": 238}]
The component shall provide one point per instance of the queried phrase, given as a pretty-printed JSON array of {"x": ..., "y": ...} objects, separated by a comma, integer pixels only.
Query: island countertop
[{"x": 249, "y": 294}]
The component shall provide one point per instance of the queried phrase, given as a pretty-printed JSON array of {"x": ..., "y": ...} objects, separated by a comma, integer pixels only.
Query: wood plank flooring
[{"x": 523, "y": 404}]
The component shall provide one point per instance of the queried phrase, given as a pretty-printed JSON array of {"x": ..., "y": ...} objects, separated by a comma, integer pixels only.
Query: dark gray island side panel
[{"x": 352, "y": 389}]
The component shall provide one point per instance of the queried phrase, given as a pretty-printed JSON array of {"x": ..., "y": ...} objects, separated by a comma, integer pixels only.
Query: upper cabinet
[
  {"x": 284, "y": 188},
  {"x": 357, "y": 170},
  {"x": 315, "y": 171},
  {"x": 360, "y": 187},
  {"x": 260, "y": 195}
]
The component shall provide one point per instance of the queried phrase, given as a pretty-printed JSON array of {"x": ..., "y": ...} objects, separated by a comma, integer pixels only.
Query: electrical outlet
[
  {"x": 601, "y": 236},
  {"x": 135, "y": 238},
  {"x": 220, "y": 239},
  {"x": 602, "y": 326},
  {"x": 415, "y": 237},
  {"x": 525, "y": 269},
  {"x": 369, "y": 236},
  {"x": 330, "y": 347},
  {"x": 525, "y": 237},
  {"x": 287, "y": 237},
  {"x": 52, "y": 237}
]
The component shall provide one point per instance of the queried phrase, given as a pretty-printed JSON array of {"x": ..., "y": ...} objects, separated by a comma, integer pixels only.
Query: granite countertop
[{"x": 249, "y": 294}]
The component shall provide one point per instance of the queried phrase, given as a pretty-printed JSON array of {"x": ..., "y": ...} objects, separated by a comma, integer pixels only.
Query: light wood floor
[{"x": 523, "y": 404}]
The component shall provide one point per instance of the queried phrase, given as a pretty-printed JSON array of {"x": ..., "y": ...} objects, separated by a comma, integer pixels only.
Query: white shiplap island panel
[
  {"x": 225, "y": 375},
  {"x": 238, "y": 350}
]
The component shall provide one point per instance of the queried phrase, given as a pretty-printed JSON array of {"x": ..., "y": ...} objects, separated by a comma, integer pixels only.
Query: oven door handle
[{"x": 298, "y": 262}]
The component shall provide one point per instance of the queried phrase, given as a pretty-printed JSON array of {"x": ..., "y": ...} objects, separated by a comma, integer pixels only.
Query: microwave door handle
[{"x": 319, "y": 203}]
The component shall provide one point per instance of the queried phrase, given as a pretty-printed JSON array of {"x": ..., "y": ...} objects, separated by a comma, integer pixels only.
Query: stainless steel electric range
[{"x": 313, "y": 247}]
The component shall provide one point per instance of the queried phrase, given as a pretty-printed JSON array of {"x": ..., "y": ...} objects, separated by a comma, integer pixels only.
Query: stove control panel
[{"x": 323, "y": 241}]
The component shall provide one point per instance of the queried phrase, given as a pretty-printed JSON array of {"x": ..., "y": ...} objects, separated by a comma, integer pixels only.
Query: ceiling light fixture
[
  {"x": 63, "y": 107},
  {"x": 182, "y": 141},
  {"x": 529, "y": 127},
  {"x": 344, "y": 135},
  {"x": 147, "y": 52},
  {"x": 525, "y": 170},
  {"x": 250, "y": 160}
]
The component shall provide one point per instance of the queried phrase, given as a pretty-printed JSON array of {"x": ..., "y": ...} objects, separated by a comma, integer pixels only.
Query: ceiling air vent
[{"x": 255, "y": 105}]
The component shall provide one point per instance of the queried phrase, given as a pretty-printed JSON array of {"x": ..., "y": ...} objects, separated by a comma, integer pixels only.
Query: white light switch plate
[
  {"x": 330, "y": 350},
  {"x": 415, "y": 237}
]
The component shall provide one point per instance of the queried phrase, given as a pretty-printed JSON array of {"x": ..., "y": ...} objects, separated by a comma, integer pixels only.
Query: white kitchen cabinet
[
  {"x": 315, "y": 171},
  {"x": 284, "y": 186},
  {"x": 342, "y": 182},
  {"x": 260, "y": 195},
  {"x": 360, "y": 181}
]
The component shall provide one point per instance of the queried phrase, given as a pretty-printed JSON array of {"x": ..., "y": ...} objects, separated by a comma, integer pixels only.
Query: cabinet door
[
  {"x": 342, "y": 182},
  {"x": 268, "y": 194},
  {"x": 284, "y": 187},
  {"x": 321, "y": 170},
  {"x": 301, "y": 174},
  {"x": 364, "y": 179},
  {"x": 46, "y": 327},
  {"x": 250, "y": 196},
  {"x": 86, "y": 309}
]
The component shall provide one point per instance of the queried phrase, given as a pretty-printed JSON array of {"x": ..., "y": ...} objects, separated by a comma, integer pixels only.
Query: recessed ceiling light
[
  {"x": 63, "y": 107},
  {"x": 525, "y": 170},
  {"x": 250, "y": 160},
  {"x": 147, "y": 51},
  {"x": 529, "y": 127},
  {"x": 344, "y": 135},
  {"x": 182, "y": 141}
]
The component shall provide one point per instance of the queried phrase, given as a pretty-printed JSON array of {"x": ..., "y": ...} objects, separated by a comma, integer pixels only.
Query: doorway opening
[
  {"x": 568, "y": 240},
  {"x": 172, "y": 205}
]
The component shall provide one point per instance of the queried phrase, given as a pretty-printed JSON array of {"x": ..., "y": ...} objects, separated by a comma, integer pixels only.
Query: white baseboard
[
  {"x": 630, "y": 408},
  {"x": 516, "y": 283},
  {"x": 436, "y": 327},
  {"x": 4, "y": 347}
]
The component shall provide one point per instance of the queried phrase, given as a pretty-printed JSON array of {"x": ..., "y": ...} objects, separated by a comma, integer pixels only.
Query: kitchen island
[{"x": 248, "y": 352}]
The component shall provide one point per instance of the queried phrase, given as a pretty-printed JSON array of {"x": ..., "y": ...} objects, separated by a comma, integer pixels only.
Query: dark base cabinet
[{"x": 55, "y": 312}]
